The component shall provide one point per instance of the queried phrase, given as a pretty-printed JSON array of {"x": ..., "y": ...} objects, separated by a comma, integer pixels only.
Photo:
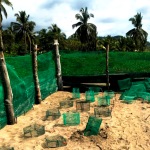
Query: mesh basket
[
  {"x": 147, "y": 85},
  {"x": 138, "y": 88},
  {"x": 34, "y": 130},
  {"x": 128, "y": 94},
  {"x": 128, "y": 99},
  {"x": 71, "y": 118},
  {"x": 75, "y": 93},
  {"x": 66, "y": 104},
  {"x": 90, "y": 96},
  {"x": 144, "y": 95},
  {"x": 124, "y": 84},
  {"x": 103, "y": 101},
  {"x": 93, "y": 125},
  {"x": 102, "y": 112},
  {"x": 83, "y": 105},
  {"x": 96, "y": 89},
  {"x": 6, "y": 148},
  {"x": 147, "y": 80},
  {"x": 52, "y": 114},
  {"x": 137, "y": 82},
  {"x": 55, "y": 141},
  {"x": 111, "y": 94}
]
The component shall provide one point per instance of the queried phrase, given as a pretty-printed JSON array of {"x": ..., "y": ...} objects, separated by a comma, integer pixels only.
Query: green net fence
[
  {"x": 3, "y": 119},
  {"x": 22, "y": 83}
]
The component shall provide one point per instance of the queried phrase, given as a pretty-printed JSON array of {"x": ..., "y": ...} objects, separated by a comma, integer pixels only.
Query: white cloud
[{"x": 110, "y": 16}]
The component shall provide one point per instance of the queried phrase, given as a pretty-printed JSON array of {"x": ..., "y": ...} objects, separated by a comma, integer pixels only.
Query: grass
[{"x": 94, "y": 63}]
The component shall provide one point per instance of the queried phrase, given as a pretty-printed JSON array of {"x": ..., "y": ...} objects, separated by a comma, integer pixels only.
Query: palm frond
[
  {"x": 76, "y": 24},
  {"x": 78, "y": 17},
  {"x": 130, "y": 33},
  {"x": 82, "y": 10},
  {"x": 7, "y": 2},
  {"x": 4, "y": 10},
  {"x": 91, "y": 15}
]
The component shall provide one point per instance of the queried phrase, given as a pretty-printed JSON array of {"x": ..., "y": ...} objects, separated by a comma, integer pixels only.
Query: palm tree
[
  {"x": 56, "y": 33},
  {"x": 8, "y": 40},
  {"x": 8, "y": 96},
  {"x": 42, "y": 39},
  {"x": 86, "y": 32},
  {"x": 137, "y": 34},
  {"x": 23, "y": 27}
]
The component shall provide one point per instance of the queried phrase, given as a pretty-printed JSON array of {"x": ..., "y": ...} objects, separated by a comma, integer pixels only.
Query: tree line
[{"x": 19, "y": 37}]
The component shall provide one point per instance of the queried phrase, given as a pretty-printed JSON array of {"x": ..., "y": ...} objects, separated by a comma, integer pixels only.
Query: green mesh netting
[
  {"x": 109, "y": 93},
  {"x": 96, "y": 89},
  {"x": 148, "y": 80},
  {"x": 138, "y": 87},
  {"x": 90, "y": 96},
  {"x": 93, "y": 125},
  {"x": 128, "y": 99},
  {"x": 103, "y": 100},
  {"x": 133, "y": 93},
  {"x": 128, "y": 94},
  {"x": 34, "y": 130},
  {"x": 102, "y": 112},
  {"x": 3, "y": 119},
  {"x": 83, "y": 105},
  {"x": 124, "y": 84},
  {"x": 55, "y": 141},
  {"x": 144, "y": 95},
  {"x": 138, "y": 82},
  {"x": 71, "y": 118},
  {"x": 22, "y": 83},
  {"x": 46, "y": 73},
  {"x": 147, "y": 85},
  {"x": 75, "y": 93}
]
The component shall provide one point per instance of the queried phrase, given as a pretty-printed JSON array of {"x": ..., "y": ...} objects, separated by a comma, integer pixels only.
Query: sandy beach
[{"x": 128, "y": 127}]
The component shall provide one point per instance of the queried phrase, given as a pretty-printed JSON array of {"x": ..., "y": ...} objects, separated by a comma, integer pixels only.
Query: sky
[{"x": 110, "y": 16}]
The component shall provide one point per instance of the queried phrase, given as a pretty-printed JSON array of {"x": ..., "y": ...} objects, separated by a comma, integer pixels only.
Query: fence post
[
  {"x": 107, "y": 66},
  {"x": 8, "y": 95},
  {"x": 35, "y": 75},
  {"x": 58, "y": 66}
]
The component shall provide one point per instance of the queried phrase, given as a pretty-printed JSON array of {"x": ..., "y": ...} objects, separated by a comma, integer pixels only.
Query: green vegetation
[
  {"x": 137, "y": 34},
  {"x": 20, "y": 35},
  {"x": 86, "y": 32},
  {"x": 94, "y": 63}
]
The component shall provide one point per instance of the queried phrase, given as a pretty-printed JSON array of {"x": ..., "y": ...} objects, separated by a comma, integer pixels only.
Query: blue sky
[{"x": 110, "y": 16}]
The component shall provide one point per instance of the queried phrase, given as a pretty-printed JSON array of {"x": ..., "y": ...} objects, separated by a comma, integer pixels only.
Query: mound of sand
[{"x": 128, "y": 127}]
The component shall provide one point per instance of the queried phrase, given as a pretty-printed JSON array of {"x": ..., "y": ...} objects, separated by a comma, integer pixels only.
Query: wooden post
[
  {"x": 35, "y": 76},
  {"x": 107, "y": 66},
  {"x": 8, "y": 95},
  {"x": 58, "y": 66}
]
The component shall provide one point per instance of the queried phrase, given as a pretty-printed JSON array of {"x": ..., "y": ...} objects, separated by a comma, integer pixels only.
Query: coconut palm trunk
[
  {"x": 35, "y": 76},
  {"x": 58, "y": 67},
  {"x": 8, "y": 96},
  {"x": 107, "y": 66}
]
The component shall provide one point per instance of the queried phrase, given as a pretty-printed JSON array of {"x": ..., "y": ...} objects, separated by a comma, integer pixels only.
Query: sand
[{"x": 128, "y": 127}]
